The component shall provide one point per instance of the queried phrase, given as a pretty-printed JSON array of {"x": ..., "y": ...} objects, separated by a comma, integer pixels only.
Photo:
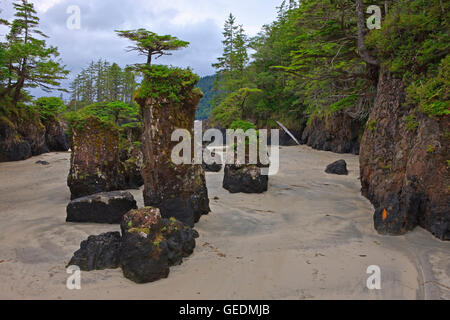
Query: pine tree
[
  {"x": 30, "y": 62},
  {"x": 150, "y": 44}
]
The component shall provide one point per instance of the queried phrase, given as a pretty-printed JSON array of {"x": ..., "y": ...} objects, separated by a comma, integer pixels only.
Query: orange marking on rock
[{"x": 385, "y": 214}]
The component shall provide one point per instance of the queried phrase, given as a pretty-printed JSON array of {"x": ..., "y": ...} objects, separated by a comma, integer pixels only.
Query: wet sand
[{"x": 310, "y": 237}]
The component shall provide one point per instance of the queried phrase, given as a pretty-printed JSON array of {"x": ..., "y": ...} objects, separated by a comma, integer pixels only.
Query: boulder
[
  {"x": 338, "y": 167},
  {"x": 107, "y": 207},
  {"x": 98, "y": 252},
  {"x": 214, "y": 167},
  {"x": 94, "y": 164},
  {"x": 244, "y": 178},
  {"x": 151, "y": 244}
]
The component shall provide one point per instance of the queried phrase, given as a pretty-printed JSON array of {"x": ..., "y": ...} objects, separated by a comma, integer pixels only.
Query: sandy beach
[{"x": 310, "y": 236}]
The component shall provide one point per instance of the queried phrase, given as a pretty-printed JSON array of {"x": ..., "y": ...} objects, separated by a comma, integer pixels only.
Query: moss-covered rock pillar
[
  {"x": 168, "y": 102},
  {"x": 94, "y": 163}
]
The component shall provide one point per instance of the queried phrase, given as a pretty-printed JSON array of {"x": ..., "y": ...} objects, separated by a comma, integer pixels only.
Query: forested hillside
[{"x": 204, "y": 107}]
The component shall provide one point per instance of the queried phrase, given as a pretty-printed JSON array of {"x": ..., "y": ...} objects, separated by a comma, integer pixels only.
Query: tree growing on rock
[
  {"x": 150, "y": 44},
  {"x": 168, "y": 101}
]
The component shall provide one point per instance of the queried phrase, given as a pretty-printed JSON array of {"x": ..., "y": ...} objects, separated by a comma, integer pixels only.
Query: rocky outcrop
[
  {"x": 98, "y": 252},
  {"x": 94, "y": 164},
  {"x": 151, "y": 244},
  {"x": 20, "y": 140},
  {"x": 245, "y": 179},
  {"x": 179, "y": 191},
  {"x": 404, "y": 164},
  {"x": 56, "y": 136},
  {"x": 338, "y": 167},
  {"x": 338, "y": 133},
  {"x": 131, "y": 157},
  {"x": 108, "y": 207}
]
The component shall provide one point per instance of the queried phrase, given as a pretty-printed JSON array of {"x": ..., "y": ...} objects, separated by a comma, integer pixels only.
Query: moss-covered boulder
[
  {"x": 168, "y": 102},
  {"x": 94, "y": 163},
  {"x": 151, "y": 244}
]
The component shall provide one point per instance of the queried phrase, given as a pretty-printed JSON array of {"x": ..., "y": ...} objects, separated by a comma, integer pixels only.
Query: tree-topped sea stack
[
  {"x": 94, "y": 164},
  {"x": 168, "y": 100}
]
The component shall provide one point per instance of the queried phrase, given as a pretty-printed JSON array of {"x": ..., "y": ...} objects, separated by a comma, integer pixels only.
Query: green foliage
[
  {"x": 206, "y": 84},
  {"x": 100, "y": 82},
  {"x": 49, "y": 108},
  {"x": 372, "y": 125},
  {"x": 234, "y": 106},
  {"x": 173, "y": 83},
  {"x": 414, "y": 44},
  {"x": 27, "y": 61},
  {"x": 115, "y": 113},
  {"x": 241, "y": 124},
  {"x": 432, "y": 95},
  {"x": 150, "y": 44},
  {"x": 411, "y": 122},
  {"x": 414, "y": 37},
  {"x": 431, "y": 149}
]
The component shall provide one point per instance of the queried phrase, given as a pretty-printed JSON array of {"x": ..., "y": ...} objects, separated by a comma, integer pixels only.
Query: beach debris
[
  {"x": 288, "y": 132},
  {"x": 245, "y": 179},
  {"x": 98, "y": 252},
  {"x": 106, "y": 207},
  {"x": 338, "y": 167}
]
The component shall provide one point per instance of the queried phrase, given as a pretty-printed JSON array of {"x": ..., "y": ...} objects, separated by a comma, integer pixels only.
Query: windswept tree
[
  {"x": 150, "y": 44},
  {"x": 30, "y": 62}
]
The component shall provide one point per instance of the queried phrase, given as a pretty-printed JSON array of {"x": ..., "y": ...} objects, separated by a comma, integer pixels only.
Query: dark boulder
[
  {"x": 44, "y": 163},
  {"x": 245, "y": 178},
  {"x": 107, "y": 207},
  {"x": 151, "y": 244},
  {"x": 98, "y": 252},
  {"x": 214, "y": 167},
  {"x": 338, "y": 167}
]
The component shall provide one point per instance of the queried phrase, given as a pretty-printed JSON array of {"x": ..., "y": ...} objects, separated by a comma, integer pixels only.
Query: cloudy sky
[{"x": 198, "y": 21}]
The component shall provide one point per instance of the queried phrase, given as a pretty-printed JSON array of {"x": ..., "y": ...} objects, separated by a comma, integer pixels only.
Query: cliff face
[
  {"x": 404, "y": 164},
  {"x": 339, "y": 133},
  {"x": 20, "y": 140}
]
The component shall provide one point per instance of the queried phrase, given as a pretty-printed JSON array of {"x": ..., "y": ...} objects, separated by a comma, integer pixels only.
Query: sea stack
[
  {"x": 168, "y": 102},
  {"x": 94, "y": 163}
]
